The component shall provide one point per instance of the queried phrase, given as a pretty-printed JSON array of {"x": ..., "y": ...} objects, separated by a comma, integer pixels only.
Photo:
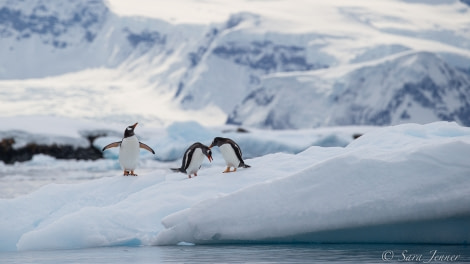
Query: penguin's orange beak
[
  {"x": 210, "y": 158},
  {"x": 134, "y": 125}
]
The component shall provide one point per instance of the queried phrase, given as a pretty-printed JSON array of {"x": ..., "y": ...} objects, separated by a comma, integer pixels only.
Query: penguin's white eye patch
[{"x": 129, "y": 128}]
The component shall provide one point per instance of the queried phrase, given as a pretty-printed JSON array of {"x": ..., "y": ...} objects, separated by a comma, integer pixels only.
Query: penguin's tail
[
  {"x": 243, "y": 165},
  {"x": 178, "y": 170}
]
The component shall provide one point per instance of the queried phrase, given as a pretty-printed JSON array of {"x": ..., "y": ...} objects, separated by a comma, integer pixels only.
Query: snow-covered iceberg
[
  {"x": 404, "y": 184},
  {"x": 401, "y": 184}
]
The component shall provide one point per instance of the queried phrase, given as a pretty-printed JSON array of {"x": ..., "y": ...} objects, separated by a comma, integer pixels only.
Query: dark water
[{"x": 299, "y": 253}]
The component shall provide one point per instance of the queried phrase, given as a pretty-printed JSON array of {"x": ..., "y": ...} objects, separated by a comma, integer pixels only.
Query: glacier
[{"x": 398, "y": 184}]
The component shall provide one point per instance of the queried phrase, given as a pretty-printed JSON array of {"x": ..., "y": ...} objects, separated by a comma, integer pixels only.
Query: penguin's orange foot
[
  {"x": 126, "y": 173},
  {"x": 133, "y": 173},
  {"x": 227, "y": 170}
]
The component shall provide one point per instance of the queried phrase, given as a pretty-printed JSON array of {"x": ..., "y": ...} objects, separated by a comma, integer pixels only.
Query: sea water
[{"x": 272, "y": 253}]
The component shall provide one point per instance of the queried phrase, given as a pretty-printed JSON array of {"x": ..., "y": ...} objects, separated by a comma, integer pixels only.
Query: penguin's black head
[
  {"x": 208, "y": 152},
  {"x": 218, "y": 141},
  {"x": 129, "y": 132}
]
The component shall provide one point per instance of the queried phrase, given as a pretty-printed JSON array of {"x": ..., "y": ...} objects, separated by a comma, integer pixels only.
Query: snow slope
[
  {"x": 401, "y": 184},
  {"x": 216, "y": 62}
]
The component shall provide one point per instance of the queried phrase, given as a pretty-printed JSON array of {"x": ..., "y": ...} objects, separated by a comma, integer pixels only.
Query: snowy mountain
[
  {"x": 42, "y": 38},
  {"x": 36, "y": 35},
  {"x": 266, "y": 64},
  {"x": 414, "y": 87}
]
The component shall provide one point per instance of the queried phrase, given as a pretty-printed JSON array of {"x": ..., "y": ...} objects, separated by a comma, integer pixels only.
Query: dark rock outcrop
[{"x": 10, "y": 155}]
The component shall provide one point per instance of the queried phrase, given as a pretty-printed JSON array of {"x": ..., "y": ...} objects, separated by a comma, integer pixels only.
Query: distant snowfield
[
  {"x": 105, "y": 95},
  {"x": 400, "y": 184},
  {"x": 300, "y": 16},
  {"x": 359, "y": 25}
]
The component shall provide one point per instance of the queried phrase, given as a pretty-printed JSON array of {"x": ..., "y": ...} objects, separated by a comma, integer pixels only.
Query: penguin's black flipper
[
  {"x": 246, "y": 166},
  {"x": 112, "y": 145},
  {"x": 144, "y": 146}
]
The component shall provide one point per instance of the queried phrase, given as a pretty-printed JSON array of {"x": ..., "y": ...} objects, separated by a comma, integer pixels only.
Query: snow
[
  {"x": 399, "y": 184},
  {"x": 379, "y": 14}
]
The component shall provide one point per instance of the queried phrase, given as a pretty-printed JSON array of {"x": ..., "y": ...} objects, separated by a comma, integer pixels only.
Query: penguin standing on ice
[
  {"x": 193, "y": 158},
  {"x": 129, "y": 150},
  {"x": 231, "y": 152}
]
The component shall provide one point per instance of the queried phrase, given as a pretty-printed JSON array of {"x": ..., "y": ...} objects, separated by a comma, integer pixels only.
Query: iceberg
[
  {"x": 400, "y": 184},
  {"x": 404, "y": 184}
]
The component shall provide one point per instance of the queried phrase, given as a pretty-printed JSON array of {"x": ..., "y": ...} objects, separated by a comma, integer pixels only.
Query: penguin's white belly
[
  {"x": 229, "y": 155},
  {"x": 129, "y": 153},
  {"x": 196, "y": 161}
]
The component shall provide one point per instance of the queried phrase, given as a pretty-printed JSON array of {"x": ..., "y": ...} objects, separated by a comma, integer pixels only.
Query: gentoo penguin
[
  {"x": 129, "y": 150},
  {"x": 231, "y": 152},
  {"x": 193, "y": 158}
]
